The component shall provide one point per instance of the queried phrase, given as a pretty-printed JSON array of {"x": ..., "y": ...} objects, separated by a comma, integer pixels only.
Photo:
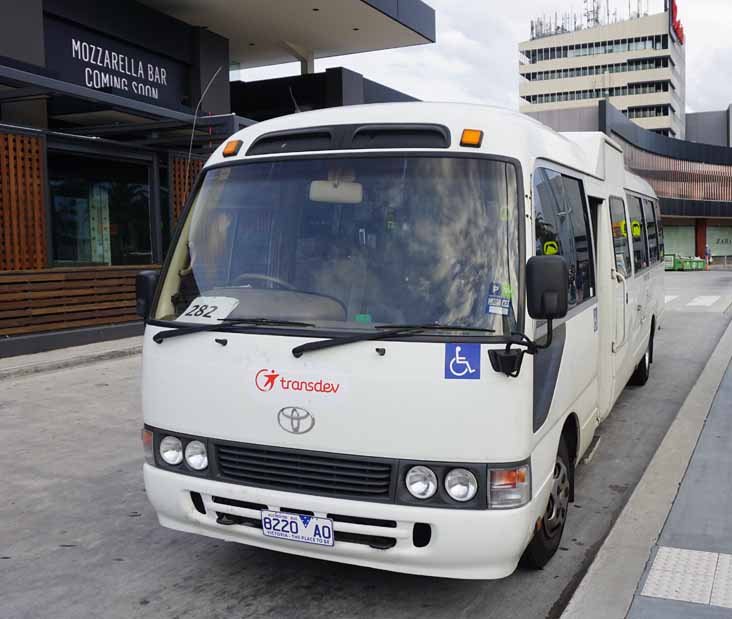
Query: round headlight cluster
[
  {"x": 171, "y": 450},
  {"x": 460, "y": 484},
  {"x": 421, "y": 482},
  {"x": 196, "y": 456},
  {"x": 172, "y": 453}
]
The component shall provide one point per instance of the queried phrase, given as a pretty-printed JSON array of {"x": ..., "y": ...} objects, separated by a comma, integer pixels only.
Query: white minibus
[{"x": 385, "y": 335}]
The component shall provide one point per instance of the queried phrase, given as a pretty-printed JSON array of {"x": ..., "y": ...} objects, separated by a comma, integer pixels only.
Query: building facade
[
  {"x": 638, "y": 65},
  {"x": 107, "y": 112},
  {"x": 692, "y": 179}
]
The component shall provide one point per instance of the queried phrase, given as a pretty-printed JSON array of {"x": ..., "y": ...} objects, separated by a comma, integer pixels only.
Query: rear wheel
[
  {"x": 643, "y": 369},
  {"x": 549, "y": 530}
]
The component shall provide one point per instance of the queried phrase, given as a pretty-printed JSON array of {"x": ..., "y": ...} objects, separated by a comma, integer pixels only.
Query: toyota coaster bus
[{"x": 385, "y": 335}]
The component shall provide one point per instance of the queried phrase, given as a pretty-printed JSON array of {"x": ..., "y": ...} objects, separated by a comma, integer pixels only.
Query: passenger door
[
  {"x": 563, "y": 227},
  {"x": 639, "y": 288},
  {"x": 624, "y": 292}
]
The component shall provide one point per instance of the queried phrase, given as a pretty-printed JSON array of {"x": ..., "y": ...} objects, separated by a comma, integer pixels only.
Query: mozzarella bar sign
[
  {"x": 110, "y": 69},
  {"x": 91, "y": 59}
]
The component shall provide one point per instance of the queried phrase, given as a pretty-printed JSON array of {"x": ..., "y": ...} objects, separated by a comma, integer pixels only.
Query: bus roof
[{"x": 505, "y": 133}]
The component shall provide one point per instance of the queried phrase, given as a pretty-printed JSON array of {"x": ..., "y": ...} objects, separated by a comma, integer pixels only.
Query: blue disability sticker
[{"x": 462, "y": 361}]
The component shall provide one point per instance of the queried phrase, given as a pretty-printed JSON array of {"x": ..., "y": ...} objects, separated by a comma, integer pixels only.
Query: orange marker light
[
  {"x": 232, "y": 148},
  {"x": 472, "y": 138}
]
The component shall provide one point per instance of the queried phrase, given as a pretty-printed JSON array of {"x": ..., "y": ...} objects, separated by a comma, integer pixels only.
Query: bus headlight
[
  {"x": 421, "y": 482},
  {"x": 196, "y": 456},
  {"x": 509, "y": 488},
  {"x": 461, "y": 485},
  {"x": 171, "y": 450}
]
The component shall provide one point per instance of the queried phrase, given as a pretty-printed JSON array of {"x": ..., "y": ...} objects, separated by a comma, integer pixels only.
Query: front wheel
[{"x": 548, "y": 533}]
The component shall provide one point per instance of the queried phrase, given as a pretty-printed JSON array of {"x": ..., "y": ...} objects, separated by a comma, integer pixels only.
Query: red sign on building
[{"x": 675, "y": 26}]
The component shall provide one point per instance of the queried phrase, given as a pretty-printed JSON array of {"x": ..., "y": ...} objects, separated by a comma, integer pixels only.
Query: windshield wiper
[
  {"x": 225, "y": 324},
  {"x": 437, "y": 326},
  {"x": 382, "y": 332}
]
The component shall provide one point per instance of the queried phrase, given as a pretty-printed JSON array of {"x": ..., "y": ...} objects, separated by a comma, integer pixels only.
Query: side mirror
[
  {"x": 547, "y": 287},
  {"x": 145, "y": 284}
]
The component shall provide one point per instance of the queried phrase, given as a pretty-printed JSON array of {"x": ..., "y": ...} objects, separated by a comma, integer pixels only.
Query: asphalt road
[{"x": 79, "y": 539}]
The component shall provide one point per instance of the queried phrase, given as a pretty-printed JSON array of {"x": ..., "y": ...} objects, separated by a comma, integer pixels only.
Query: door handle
[{"x": 620, "y": 278}]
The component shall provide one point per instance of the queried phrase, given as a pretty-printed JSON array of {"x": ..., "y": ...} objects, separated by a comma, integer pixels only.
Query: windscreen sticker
[
  {"x": 499, "y": 299},
  {"x": 462, "y": 361},
  {"x": 209, "y": 310}
]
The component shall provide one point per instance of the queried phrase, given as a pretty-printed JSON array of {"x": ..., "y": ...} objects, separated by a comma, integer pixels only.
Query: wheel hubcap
[{"x": 556, "y": 511}]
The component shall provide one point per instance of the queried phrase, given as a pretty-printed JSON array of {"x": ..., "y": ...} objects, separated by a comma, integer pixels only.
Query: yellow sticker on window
[
  {"x": 551, "y": 248},
  {"x": 635, "y": 228}
]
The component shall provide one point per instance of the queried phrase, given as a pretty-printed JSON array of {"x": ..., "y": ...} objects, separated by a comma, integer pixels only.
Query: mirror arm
[{"x": 549, "y": 334}]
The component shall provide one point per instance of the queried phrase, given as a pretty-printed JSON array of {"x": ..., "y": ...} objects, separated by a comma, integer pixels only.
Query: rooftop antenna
[
  {"x": 297, "y": 107},
  {"x": 195, "y": 118}
]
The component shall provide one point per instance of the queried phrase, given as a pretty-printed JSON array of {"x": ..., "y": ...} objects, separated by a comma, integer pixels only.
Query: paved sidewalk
[
  {"x": 669, "y": 554},
  {"x": 13, "y": 367},
  {"x": 690, "y": 571}
]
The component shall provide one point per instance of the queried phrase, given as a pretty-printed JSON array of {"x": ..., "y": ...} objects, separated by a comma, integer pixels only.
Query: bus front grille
[{"x": 306, "y": 471}]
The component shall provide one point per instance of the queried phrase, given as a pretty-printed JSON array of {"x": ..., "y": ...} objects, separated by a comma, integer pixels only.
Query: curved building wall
[{"x": 692, "y": 180}]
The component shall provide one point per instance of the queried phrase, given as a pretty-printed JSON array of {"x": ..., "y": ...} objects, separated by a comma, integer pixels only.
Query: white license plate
[{"x": 298, "y": 528}]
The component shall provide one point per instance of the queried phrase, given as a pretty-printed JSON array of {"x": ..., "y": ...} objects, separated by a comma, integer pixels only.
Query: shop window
[
  {"x": 100, "y": 211},
  {"x": 638, "y": 234},
  {"x": 563, "y": 228},
  {"x": 650, "y": 221}
]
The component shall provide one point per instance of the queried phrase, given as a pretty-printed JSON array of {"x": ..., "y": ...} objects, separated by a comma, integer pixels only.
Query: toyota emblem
[{"x": 295, "y": 420}]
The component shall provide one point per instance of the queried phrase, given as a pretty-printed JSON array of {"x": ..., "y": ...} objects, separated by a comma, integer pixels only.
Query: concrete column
[
  {"x": 211, "y": 52},
  {"x": 701, "y": 237},
  {"x": 21, "y": 39}
]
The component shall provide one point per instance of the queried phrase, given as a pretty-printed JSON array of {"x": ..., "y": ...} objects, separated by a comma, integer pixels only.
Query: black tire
[
  {"x": 643, "y": 369},
  {"x": 548, "y": 534}
]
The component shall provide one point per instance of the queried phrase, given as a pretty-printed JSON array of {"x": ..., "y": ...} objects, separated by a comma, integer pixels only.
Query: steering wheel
[{"x": 267, "y": 278}]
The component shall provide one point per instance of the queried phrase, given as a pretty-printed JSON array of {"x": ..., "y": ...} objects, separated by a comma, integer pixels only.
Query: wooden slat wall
[
  {"x": 53, "y": 299},
  {"x": 181, "y": 186},
  {"x": 22, "y": 211}
]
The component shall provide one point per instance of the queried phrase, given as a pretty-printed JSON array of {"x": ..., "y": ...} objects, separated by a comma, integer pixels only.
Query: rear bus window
[{"x": 659, "y": 227}]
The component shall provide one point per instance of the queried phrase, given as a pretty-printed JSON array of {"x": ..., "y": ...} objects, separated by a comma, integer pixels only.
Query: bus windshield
[{"x": 351, "y": 243}]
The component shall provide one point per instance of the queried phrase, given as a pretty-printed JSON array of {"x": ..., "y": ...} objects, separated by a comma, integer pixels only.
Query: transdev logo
[{"x": 268, "y": 380}]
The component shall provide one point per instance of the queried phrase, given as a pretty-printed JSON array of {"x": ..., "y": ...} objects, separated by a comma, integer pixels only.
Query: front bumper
[{"x": 475, "y": 544}]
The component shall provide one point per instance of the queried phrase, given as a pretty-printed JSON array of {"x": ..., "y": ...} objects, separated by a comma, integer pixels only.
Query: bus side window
[
  {"x": 659, "y": 225},
  {"x": 579, "y": 214},
  {"x": 638, "y": 233},
  {"x": 620, "y": 237},
  {"x": 650, "y": 219},
  {"x": 562, "y": 228}
]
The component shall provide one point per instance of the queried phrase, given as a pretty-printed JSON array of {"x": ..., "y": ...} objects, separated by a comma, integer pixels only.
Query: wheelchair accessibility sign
[{"x": 462, "y": 361}]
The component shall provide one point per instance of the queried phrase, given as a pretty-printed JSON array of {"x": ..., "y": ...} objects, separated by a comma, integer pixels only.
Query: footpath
[
  {"x": 669, "y": 554},
  {"x": 14, "y": 367}
]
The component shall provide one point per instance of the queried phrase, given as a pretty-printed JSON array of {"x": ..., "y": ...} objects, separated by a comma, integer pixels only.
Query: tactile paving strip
[
  {"x": 722, "y": 589},
  {"x": 690, "y": 576}
]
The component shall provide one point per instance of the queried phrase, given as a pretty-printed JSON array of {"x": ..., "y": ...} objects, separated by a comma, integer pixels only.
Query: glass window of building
[{"x": 100, "y": 211}]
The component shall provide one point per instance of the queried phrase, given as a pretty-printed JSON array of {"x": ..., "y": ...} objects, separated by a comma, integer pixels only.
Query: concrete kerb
[
  {"x": 16, "y": 367},
  {"x": 607, "y": 589}
]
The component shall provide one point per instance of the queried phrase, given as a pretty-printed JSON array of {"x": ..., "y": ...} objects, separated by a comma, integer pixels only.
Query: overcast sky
[{"x": 475, "y": 58}]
